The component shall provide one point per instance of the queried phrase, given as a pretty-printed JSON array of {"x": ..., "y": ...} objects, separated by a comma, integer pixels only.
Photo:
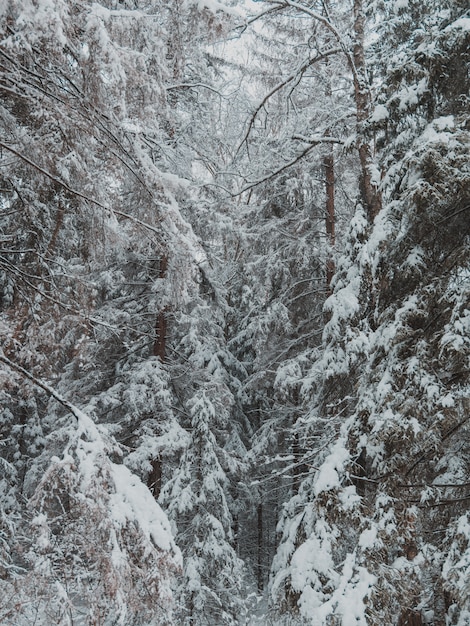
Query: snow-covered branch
[{"x": 294, "y": 76}]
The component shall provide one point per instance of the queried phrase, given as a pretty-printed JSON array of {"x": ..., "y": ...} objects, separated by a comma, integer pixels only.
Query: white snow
[
  {"x": 463, "y": 23},
  {"x": 438, "y": 130},
  {"x": 368, "y": 538},
  {"x": 347, "y": 601},
  {"x": 310, "y": 559},
  {"x": 328, "y": 475},
  {"x": 409, "y": 95},
  {"x": 416, "y": 257},
  {"x": 130, "y": 501},
  {"x": 400, "y": 4},
  {"x": 379, "y": 114},
  {"x": 133, "y": 502}
]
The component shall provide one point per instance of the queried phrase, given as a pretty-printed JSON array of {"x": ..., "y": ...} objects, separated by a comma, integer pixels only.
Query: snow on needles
[
  {"x": 130, "y": 501},
  {"x": 328, "y": 476},
  {"x": 133, "y": 501}
]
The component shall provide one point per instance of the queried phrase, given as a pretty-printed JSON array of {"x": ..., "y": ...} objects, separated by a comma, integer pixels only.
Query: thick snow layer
[
  {"x": 310, "y": 559},
  {"x": 133, "y": 502},
  {"x": 379, "y": 114},
  {"x": 368, "y": 538},
  {"x": 438, "y": 130},
  {"x": 353, "y": 586},
  {"x": 130, "y": 502},
  {"x": 328, "y": 475}
]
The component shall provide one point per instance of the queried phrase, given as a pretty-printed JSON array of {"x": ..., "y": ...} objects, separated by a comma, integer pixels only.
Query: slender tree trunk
[
  {"x": 298, "y": 470},
  {"x": 154, "y": 480},
  {"x": 159, "y": 346},
  {"x": 297, "y": 450},
  {"x": 369, "y": 194},
  {"x": 260, "y": 548},
  {"x": 328, "y": 162}
]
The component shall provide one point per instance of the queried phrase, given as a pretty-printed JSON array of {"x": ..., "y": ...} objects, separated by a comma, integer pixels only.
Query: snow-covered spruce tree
[
  {"x": 92, "y": 546},
  {"x": 276, "y": 298},
  {"x": 200, "y": 495},
  {"x": 378, "y": 533},
  {"x": 293, "y": 128},
  {"x": 94, "y": 255},
  {"x": 210, "y": 591}
]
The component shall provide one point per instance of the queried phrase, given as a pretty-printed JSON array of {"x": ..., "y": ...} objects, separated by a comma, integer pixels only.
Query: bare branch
[
  {"x": 276, "y": 172},
  {"x": 257, "y": 17},
  {"x": 76, "y": 193},
  {"x": 317, "y": 139},
  {"x": 196, "y": 86},
  {"x": 42, "y": 385},
  {"x": 295, "y": 76}
]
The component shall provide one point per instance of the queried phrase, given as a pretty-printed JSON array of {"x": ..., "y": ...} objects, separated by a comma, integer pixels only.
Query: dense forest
[{"x": 234, "y": 312}]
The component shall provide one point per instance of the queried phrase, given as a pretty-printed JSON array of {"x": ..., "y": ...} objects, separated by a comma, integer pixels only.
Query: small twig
[
  {"x": 78, "y": 193},
  {"x": 42, "y": 385},
  {"x": 276, "y": 172}
]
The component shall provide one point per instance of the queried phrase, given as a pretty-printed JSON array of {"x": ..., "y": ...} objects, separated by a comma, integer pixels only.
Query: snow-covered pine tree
[
  {"x": 294, "y": 128},
  {"x": 95, "y": 253},
  {"x": 379, "y": 532},
  {"x": 211, "y": 588}
]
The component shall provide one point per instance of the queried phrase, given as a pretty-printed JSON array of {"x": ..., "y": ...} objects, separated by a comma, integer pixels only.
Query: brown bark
[
  {"x": 410, "y": 617},
  {"x": 260, "y": 548},
  {"x": 369, "y": 194},
  {"x": 328, "y": 162},
  {"x": 159, "y": 345},
  {"x": 154, "y": 480}
]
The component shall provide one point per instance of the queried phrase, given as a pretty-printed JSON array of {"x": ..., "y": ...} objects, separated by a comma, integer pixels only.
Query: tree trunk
[
  {"x": 370, "y": 196},
  {"x": 154, "y": 480},
  {"x": 328, "y": 162},
  {"x": 159, "y": 346},
  {"x": 260, "y": 548}
]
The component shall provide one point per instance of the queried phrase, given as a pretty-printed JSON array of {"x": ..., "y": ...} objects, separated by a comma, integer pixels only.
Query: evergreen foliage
[
  {"x": 391, "y": 490},
  {"x": 199, "y": 425}
]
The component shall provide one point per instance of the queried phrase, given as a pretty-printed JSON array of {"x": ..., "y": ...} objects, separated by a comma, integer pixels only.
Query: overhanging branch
[
  {"x": 42, "y": 385},
  {"x": 294, "y": 76},
  {"x": 77, "y": 193}
]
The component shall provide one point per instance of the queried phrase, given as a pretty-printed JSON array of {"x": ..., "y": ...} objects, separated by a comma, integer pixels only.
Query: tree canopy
[{"x": 234, "y": 312}]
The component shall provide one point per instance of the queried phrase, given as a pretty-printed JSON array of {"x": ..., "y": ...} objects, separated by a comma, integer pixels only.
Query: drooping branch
[
  {"x": 315, "y": 140},
  {"x": 42, "y": 385},
  {"x": 87, "y": 111},
  {"x": 196, "y": 86},
  {"x": 77, "y": 193},
  {"x": 295, "y": 76}
]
